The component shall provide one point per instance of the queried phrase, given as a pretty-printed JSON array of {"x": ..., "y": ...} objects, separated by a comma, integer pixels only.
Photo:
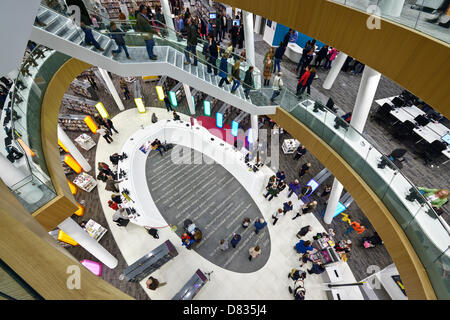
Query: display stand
[
  {"x": 290, "y": 145},
  {"x": 85, "y": 182},
  {"x": 73, "y": 122},
  {"x": 85, "y": 141},
  {"x": 325, "y": 251},
  {"x": 192, "y": 287},
  {"x": 95, "y": 230},
  {"x": 81, "y": 88}
]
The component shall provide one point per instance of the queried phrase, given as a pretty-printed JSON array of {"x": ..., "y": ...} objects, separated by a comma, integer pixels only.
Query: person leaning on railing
[
  {"x": 437, "y": 197},
  {"x": 143, "y": 25}
]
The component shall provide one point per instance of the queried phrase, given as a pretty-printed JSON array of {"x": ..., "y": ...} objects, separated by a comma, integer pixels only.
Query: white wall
[
  {"x": 269, "y": 32},
  {"x": 16, "y": 20}
]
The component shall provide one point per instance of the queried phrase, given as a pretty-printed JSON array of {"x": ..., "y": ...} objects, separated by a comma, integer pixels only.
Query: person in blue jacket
[
  {"x": 287, "y": 206},
  {"x": 89, "y": 37},
  {"x": 259, "y": 225},
  {"x": 235, "y": 240},
  {"x": 223, "y": 73},
  {"x": 303, "y": 246},
  {"x": 316, "y": 268}
]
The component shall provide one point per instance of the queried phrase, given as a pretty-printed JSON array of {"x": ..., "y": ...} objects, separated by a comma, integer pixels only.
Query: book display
[
  {"x": 73, "y": 122},
  {"x": 79, "y": 104},
  {"x": 85, "y": 141},
  {"x": 95, "y": 230},
  {"x": 81, "y": 88},
  {"x": 85, "y": 182}
]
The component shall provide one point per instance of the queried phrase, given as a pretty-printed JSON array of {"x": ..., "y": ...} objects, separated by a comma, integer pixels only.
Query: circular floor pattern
[{"x": 214, "y": 200}]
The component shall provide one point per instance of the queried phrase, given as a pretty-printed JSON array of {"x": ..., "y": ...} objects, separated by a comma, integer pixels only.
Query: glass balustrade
[
  {"x": 431, "y": 17},
  {"x": 426, "y": 231}
]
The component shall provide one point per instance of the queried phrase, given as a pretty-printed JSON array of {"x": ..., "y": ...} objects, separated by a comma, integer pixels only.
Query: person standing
[
  {"x": 316, "y": 269},
  {"x": 303, "y": 246},
  {"x": 223, "y": 73},
  {"x": 294, "y": 187},
  {"x": 303, "y": 231},
  {"x": 300, "y": 152},
  {"x": 306, "y": 208},
  {"x": 153, "y": 283},
  {"x": 277, "y": 86},
  {"x": 306, "y": 61},
  {"x": 279, "y": 56},
  {"x": 280, "y": 176},
  {"x": 110, "y": 125},
  {"x": 245, "y": 223},
  {"x": 102, "y": 131},
  {"x": 224, "y": 25},
  {"x": 254, "y": 252},
  {"x": 304, "y": 169},
  {"x": 168, "y": 104},
  {"x": 236, "y": 73},
  {"x": 235, "y": 240},
  {"x": 277, "y": 215},
  {"x": 287, "y": 206},
  {"x": 248, "y": 81},
  {"x": 323, "y": 52},
  {"x": 192, "y": 39},
  {"x": 143, "y": 25},
  {"x": 218, "y": 31},
  {"x": 312, "y": 75},
  {"x": 223, "y": 246},
  {"x": 306, "y": 191},
  {"x": 302, "y": 82},
  {"x": 120, "y": 217},
  {"x": 92, "y": 82},
  {"x": 259, "y": 225},
  {"x": 332, "y": 53},
  {"x": 267, "y": 71},
  {"x": 234, "y": 34},
  {"x": 117, "y": 35},
  {"x": 273, "y": 191},
  {"x": 240, "y": 36},
  {"x": 326, "y": 191},
  {"x": 124, "y": 88},
  {"x": 212, "y": 55}
]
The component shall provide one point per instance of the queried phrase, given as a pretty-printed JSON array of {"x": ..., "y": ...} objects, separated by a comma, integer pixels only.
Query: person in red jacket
[{"x": 303, "y": 80}]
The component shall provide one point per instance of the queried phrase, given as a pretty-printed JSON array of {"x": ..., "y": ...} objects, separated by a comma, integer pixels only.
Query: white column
[
  {"x": 391, "y": 8},
  {"x": 333, "y": 200},
  {"x": 91, "y": 245},
  {"x": 111, "y": 88},
  {"x": 334, "y": 71},
  {"x": 366, "y": 92},
  {"x": 255, "y": 129},
  {"x": 190, "y": 102},
  {"x": 168, "y": 18},
  {"x": 364, "y": 99},
  {"x": 257, "y": 27},
  {"x": 249, "y": 37},
  {"x": 73, "y": 150}
]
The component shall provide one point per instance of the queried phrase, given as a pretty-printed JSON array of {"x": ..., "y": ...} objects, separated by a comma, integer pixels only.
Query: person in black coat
[
  {"x": 304, "y": 169},
  {"x": 212, "y": 55},
  {"x": 240, "y": 36},
  {"x": 234, "y": 35},
  {"x": 300, "y": 152},
  {"x": 321, "y": 55}
]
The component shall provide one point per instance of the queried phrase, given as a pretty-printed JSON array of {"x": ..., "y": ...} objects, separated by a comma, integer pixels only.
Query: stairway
[{"x": 63, "y": 35}]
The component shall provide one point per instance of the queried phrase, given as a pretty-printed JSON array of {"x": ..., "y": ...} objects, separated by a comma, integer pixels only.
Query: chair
[
  {"x": 398, "y": 102},
  {"x": 432, "y": 151},
  {"x": 383, "y": 113},
  {"x": 422, "y": 120},
  {"x": 403, "y": 130}
]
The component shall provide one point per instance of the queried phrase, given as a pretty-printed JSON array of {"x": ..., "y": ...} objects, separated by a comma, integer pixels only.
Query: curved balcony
[{"x": 415, "y": 236}]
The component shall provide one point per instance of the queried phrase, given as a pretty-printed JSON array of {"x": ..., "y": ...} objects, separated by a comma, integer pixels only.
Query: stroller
[{"x": 195, "y": 234}]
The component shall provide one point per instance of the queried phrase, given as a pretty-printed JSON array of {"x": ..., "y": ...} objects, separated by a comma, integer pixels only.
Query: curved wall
[{"x": 417, "y": 62}]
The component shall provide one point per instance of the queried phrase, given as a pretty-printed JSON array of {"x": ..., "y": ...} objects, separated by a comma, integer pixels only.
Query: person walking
[
  {"x": 245, "y": 223},
  {"x": 235, "y": 240},
  {"x": 104, "y": 133},
  {"x": 248, "y": 81},
  {"x": 294, "y": 187},
  {"x": 143, "y": 25},
  {"x": 168, "y": 104},
  {"x": 323, "y": 52},
  {"x": 110, "y": 125},
  {"x": 223, "y": 73},
  {"x": 259, "y": 225},
  {"x": 212, "y": 55},
  {"x": 89, "y": 37},
  {"x": 277, "y": 215},
  {"x": 254, "y": 252},
  {"x": 273, "y": 191},
  {"x": 300, "y": 152},
  {"x": 153, "y": 283},
  {"x": 277, "y": 86},
  {"x": 117, "y": 35},
  {"x": 192, "y": 39},
  {"x": 279, "y": 56},
  {"x": 287, "y": 206},
  {"x": 304, "y": 169},
  {"x": 236, "y": 73},
  {"x": 306, "y": 208},
  {"x": 92, "y": 82}
]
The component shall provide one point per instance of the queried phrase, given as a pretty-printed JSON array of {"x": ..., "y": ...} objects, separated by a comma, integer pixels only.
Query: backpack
[{"x": 154, "y": 118}]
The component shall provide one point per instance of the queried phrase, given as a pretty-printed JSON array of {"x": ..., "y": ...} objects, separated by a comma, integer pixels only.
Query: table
[
  {"x": 293, "y": 52},
  {"x": 290, "y": 145},
  {"x": 85, "y": 182},
  {"x": 402, "y": 115},
  {"x": 85, "y": 141},
  {"x": 95, "y": 230}
]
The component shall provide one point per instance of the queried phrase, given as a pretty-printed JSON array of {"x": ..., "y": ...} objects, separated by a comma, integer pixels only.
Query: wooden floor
[{"x": 344, "y": 94}]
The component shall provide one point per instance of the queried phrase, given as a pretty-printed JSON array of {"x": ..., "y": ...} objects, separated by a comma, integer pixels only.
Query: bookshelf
[
  {"x": 72, "y": 122},
  {"x": 79, "y": 104}
]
